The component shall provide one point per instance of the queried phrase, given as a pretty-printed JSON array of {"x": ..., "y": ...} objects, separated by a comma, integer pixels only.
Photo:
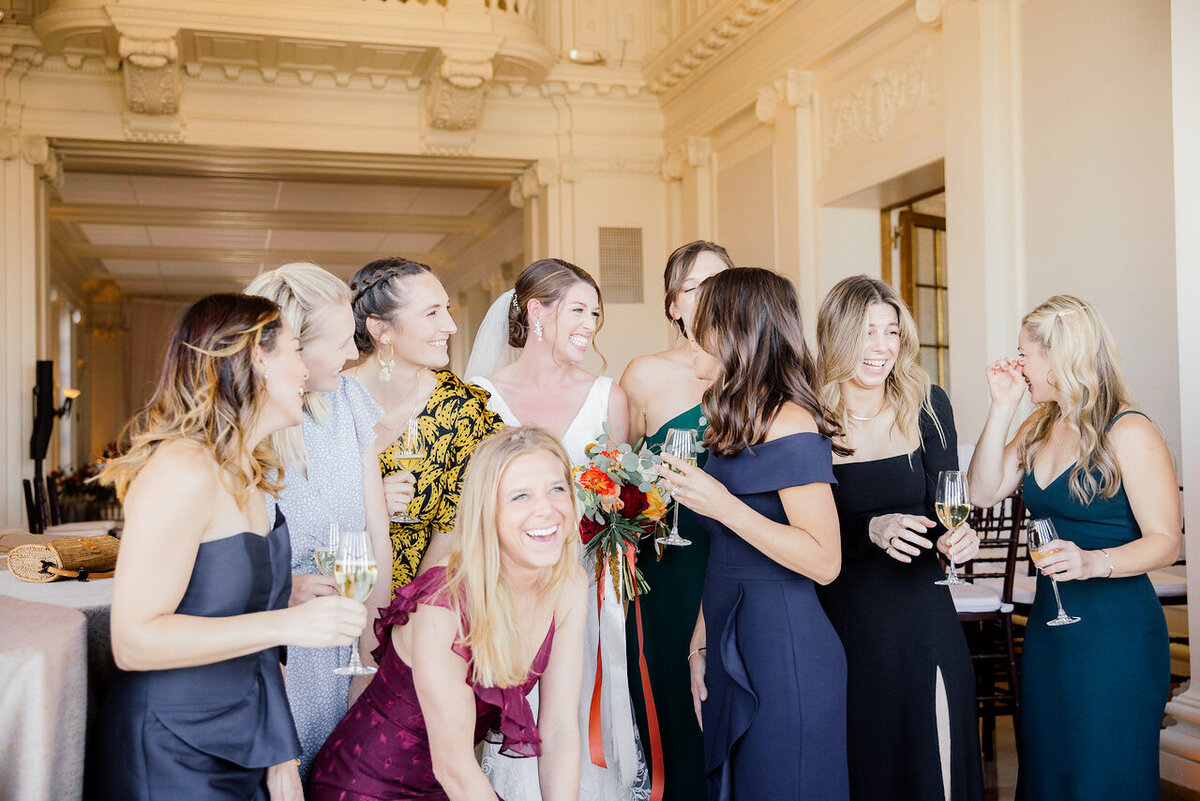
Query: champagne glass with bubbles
[
  {"x": 1043, "y": 542},
  {"x": 683, "y": 444},
  {"x": 952, "y": 508},
  {"x": 354, "y": 571},
  {"x": 326, "y": 554},
  {"x": 409, "y": 457}
]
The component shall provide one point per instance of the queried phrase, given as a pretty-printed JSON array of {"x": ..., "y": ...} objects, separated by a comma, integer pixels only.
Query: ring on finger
[{"x": 892, "y": 542}]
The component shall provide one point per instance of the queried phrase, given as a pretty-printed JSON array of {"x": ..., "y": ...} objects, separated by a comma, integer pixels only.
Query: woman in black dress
[
  {"x": 911, "y": 726},
  {"x": 768, "y": 672}
]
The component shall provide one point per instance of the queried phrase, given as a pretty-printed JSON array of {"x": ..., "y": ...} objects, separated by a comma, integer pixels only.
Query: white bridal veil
[{"x": 491, "y": 351}]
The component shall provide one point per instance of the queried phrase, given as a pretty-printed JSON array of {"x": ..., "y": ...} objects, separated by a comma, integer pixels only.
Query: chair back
[{"x": 1001, "y": 530}]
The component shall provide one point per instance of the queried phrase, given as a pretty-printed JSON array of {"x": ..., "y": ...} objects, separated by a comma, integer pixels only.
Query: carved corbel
[
  {"x": 456, "y": 94},
  {"x": 929, "y": 12},
  {"x": 151, "y": 67},
  {"x": 524, "y": 187},
  {"x": 793, "y": 90},
  {"x": 693, "y": 152},
  {"x": 34, "y": 151}
]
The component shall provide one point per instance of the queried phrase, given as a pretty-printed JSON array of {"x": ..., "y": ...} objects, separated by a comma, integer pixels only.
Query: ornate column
[
  {"x": 546, "y": 192},
  {"x": 27, "y": 164},
  {"x": 688, "y": 170},
  {"x": 786, "y": 103},
  {"x": 1179, "y": 755}
]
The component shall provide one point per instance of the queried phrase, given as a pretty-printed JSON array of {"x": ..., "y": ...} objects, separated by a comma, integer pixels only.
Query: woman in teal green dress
[
  {"x": 664, "y": 393},
  {"x": 1092, "y": 692}
]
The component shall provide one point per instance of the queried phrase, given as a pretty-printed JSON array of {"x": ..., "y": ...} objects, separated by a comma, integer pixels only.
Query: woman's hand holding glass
[
  {"x": 1069, "y": 562},
  {"x": 398, "y": 490},
  {"x": 694, "y": 488},
  {"x": 1044, "y": 546},
  {"x": 410, "y": 454},
  {"x": 355, "y": 573},
  {"x": 960, "y": 545}
]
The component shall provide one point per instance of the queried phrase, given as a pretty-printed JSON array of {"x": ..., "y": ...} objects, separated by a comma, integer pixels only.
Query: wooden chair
[{"x": 986, "y": 612}]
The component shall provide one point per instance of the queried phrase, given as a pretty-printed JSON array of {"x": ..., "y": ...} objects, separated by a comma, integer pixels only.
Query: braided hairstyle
[{"x": 378, "y": 292}]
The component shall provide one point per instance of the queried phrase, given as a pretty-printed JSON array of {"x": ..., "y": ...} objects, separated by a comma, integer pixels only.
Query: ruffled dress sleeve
[{"x": 516, "y": 727}]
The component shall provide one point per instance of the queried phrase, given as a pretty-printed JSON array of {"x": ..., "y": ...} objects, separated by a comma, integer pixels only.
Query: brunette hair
[
  {"x": 749, "y": 320},
  {"x": 841, "y": 330},
  {"x": 545, "y": 281},
  {"x": 477, "y": 584},
  {"x": 379, "y": 292},
  {"x": 1087, "y": 373},
  {"x": 679, "y": 264},
  {"x": 209, "y": 392}
]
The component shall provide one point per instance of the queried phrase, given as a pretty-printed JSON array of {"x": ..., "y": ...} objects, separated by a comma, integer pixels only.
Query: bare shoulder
[
  {"x": 792, "y": 419},
  {"x": 181, "y": 464},
  {"x": 573, "y": 600},
  {"x": 1133, "y": 433}
]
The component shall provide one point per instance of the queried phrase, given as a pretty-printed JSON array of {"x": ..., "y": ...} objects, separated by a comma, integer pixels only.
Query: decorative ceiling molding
[
  {"x": 34, "y": 151},
  {"x": 717, "y": 30},
  {"x": 151, "y": 69},
  {"x": 793, "y": 90}
]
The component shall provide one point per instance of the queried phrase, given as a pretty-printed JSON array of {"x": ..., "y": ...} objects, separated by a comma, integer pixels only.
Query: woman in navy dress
[
  {"x": 768, "y": 670},
  {"x": 200, "y": 599},
  {"x": 1092, "y": 692}
]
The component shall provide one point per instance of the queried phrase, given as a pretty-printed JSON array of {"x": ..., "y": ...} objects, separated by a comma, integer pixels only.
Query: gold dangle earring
[{"x": 386, "y": 365}]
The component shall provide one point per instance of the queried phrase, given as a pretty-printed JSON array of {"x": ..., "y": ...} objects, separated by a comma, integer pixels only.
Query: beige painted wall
[{"x": 1098, "y": 174}]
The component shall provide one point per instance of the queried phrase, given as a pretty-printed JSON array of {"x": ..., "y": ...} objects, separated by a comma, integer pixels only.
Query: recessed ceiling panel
[
  {"x": 217, "y": 238},
  {"x": 97, "y": 187},
  {"x": 362, "y": 198},
  {"x": 105, "y": 234},
  {"x": 123, "y": 267},
  {"x": 364, "y": 241},
  {"x": 205, "y": 193},
  {"x": 452, "y": 200},
  {"x": 408, "y": 244}
]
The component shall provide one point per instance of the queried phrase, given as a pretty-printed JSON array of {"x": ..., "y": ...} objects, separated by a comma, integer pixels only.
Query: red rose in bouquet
[
  {"x": 633, "y": 502},
  {"x": 589, "y": 528}
]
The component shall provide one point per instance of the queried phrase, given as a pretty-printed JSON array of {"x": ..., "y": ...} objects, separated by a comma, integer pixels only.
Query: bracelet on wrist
[
  {"x": 1104, "y": 552},
  {"x": 700, "y": 650}
]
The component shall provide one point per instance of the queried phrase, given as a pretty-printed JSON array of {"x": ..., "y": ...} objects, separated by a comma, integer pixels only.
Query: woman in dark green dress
[
  {"x": 1092, "y": 692},
  {"x": 664, "y": 393}
]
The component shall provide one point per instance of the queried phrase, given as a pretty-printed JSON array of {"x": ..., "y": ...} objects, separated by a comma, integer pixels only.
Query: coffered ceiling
[{"x": 159, "y": 234}]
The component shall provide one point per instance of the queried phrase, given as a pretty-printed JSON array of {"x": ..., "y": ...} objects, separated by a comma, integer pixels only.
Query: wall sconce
[{"x": 69, "y": 396}]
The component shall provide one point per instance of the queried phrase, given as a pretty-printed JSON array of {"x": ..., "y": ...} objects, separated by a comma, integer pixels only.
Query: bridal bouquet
[{"x": 622, "y": 499}]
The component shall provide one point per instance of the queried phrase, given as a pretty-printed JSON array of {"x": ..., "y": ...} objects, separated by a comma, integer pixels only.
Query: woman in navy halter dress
[
  {"x": 1092, "y": 692},
  {"x": 200, "y": 599},
  {"x": 768, "y": 669}
]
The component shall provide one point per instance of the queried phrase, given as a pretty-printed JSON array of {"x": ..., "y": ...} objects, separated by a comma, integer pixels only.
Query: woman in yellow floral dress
[{"x": 403, "y": 324}]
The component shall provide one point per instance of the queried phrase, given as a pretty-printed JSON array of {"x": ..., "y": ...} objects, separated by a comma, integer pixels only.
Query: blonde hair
[
  {"x": 1087, "y": 376},
  {"x": 842, "y": 327},
  {"x": 209, "y": 392},
  {"x": 478, "y": 587},
  {"x": 301, "y": 290}
]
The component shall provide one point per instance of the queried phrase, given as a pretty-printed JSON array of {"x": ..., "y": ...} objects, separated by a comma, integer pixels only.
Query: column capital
[
  {"x": 793, "y": 90},
  {"x": 929, "y": 12},
  {"x": 693, "y": 152}
]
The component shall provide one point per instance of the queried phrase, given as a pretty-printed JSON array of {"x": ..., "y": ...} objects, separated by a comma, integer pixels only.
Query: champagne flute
[
  {"x": 952, "y": 508},
  {"x": 325, "y": 555},
  {"x": 683, "y": 444},
  {"x": 354, "y": 571},
  {"x": 1041, "y": 544},
  {"x": 412, "y": 453}
]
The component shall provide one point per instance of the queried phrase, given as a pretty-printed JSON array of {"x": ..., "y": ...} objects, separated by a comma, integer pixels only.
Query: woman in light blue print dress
[{"x": 331, "y": 476}]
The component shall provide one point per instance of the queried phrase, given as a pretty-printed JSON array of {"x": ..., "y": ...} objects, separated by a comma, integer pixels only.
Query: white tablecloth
[{"x": 43, "y": 700}]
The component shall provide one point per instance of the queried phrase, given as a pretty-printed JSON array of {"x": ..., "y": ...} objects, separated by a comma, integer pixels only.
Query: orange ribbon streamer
[
  {"x": 595, "y": 739},
  {"x": 657, "y": 768}
]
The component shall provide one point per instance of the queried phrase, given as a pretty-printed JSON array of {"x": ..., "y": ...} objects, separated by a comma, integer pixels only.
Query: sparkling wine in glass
[
  {"x": 354, "y": 572},
  {"x": 1042, "y": 543},
  {"x": 409, "y": 457},
  {"x": 952, "y": 508},
  {"x": 326, "y": 555},
  {"x": 683, "y": 444}
]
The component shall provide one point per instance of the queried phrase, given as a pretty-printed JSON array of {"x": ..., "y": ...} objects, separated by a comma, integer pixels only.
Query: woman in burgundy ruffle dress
[{"x": 460, "y": 647}]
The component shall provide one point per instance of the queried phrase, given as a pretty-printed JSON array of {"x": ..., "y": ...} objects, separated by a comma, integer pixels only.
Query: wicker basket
[{"x": 79, "y": 557}]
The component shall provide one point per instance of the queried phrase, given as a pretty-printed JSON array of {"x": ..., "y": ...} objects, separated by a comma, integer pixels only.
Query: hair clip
[
  {"x": 1064, "y": 313},
  {"x": 515, "y": 305}
]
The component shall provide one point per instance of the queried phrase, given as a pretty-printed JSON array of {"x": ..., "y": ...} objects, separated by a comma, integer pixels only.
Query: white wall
[{"x": 1098, "y": 175}]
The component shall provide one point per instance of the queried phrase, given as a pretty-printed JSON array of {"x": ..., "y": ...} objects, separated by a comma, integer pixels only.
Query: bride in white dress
[{"x": 527, "y": 355}]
